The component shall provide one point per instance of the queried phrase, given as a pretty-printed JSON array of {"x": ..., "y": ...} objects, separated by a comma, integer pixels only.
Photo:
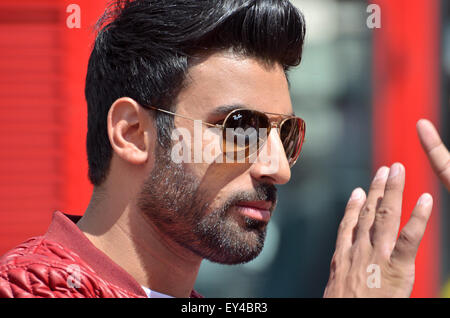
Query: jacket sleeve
[{"x": 41, "y": 280}]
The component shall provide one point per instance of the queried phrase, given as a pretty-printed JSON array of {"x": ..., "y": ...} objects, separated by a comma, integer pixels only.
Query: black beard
[{"x": 171, "y": 199}]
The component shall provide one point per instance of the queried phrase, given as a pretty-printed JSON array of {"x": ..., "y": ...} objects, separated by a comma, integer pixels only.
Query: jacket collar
[{"x": 63, "y": 230}]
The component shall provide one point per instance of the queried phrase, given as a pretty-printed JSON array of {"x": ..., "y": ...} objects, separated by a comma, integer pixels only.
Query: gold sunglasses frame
[{"x": 273, "y": 123}]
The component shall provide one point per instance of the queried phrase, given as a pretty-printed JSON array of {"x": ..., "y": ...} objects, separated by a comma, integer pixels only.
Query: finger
[
  {"x": 436, "y": 151},
  {"x": 367, "y": 213},
  {"x": 408, "y": 242},
  {"x": 348, "y": 223},
  {"x": 387, "y": 216}
]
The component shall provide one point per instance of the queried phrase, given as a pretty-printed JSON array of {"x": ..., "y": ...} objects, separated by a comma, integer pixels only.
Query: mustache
[{"x": 262, "y": 192}]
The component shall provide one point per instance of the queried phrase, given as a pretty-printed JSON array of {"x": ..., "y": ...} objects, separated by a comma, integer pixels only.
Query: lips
[{"x": 258, "y": 210}]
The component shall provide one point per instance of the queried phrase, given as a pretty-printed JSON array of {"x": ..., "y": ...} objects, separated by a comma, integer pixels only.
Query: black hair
[{"x": 144, "y": 48}]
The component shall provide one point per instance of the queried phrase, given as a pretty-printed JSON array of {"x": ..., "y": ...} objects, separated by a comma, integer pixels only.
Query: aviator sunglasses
[{"x": 238, "y": 122}]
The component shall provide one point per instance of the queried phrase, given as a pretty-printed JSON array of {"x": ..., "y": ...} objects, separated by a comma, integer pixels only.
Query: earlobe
[{"x": 128, "y": 130}]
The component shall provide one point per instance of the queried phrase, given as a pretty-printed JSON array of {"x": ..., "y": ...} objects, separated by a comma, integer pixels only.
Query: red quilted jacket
[{"x": 64, "y": 263}]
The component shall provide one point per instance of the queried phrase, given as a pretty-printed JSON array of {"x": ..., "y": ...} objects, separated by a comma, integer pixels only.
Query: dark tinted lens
[
  {"x": 242, "y": 128},
  {"x": 291, "y": 134},
  {"x": 246, "y": 119}
]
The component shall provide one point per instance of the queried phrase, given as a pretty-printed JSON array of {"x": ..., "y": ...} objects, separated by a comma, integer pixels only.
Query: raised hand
[
  {"x": 438, "y": 155},
  {"x": 369, "y": 260}
]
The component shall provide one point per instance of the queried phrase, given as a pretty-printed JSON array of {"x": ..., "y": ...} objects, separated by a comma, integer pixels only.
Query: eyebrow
[{"x": 224, "y": 110}]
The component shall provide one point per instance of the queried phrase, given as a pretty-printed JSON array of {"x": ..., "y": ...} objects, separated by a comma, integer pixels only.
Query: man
[
  {"x": 436, "y": 151},
  {"x": 161, "y": 67},
  {"x": 439, "y": 158},
  {"x": 376, "y": 232}
]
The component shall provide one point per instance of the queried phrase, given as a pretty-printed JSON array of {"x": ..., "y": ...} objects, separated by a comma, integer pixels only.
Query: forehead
[{"x": 228, "y": 79}]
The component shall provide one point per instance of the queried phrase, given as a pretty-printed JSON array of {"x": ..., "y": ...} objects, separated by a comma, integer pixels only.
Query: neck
[{"x": 134, "y": 243}]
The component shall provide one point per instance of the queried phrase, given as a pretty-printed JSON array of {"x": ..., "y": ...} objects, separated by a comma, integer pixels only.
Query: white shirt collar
[{"x": 152, "y": 294}]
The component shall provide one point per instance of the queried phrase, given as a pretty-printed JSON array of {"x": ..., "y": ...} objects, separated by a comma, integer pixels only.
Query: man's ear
[{"x": 129, "y": 127}]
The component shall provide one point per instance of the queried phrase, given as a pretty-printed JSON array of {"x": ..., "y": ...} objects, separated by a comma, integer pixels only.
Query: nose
[{"x": 271, "y": 164}]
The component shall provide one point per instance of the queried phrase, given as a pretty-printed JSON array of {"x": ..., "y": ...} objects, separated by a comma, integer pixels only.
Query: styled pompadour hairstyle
[{"x": 144, "y": 48}]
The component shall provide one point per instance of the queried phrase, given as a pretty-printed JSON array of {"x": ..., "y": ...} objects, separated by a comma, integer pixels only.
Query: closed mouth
[{"x": 258, "y": 210}]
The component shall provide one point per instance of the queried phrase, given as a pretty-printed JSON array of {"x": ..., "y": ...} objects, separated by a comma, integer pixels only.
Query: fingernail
[
  {"x": 357, "y": 194},
  {"x": 382, "y": 173},
  {"x": 395, "y": 170},
  {"x": 425, "y": 199}
]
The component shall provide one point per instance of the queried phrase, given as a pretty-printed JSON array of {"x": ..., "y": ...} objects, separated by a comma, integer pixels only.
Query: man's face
[{"x": 220, "y": 211}]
